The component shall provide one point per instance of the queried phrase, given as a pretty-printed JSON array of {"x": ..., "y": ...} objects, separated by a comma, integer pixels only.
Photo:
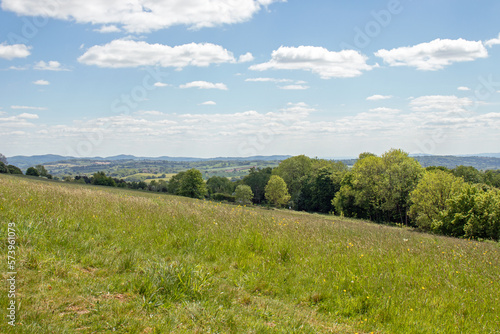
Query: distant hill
[
  {"x": 450, "y": 161},
  {"x": 27, "y": 161},
  {"x": 483, "y": 162},
  {"x": 489, "y": 155},
  {"x": 23, "y": 161}
]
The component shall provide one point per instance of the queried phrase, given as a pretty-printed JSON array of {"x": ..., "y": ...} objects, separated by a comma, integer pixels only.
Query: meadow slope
[{"x": 96, "y": 259}]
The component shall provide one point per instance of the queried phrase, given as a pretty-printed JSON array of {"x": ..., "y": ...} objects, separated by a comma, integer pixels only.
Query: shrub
[{"x": 223, "y": 197}]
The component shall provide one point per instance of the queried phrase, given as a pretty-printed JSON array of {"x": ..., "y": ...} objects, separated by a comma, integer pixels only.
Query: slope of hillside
[{"x": 91, "y": 259}]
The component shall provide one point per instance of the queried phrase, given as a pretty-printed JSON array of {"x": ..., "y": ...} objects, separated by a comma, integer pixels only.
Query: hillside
[{"x": 94, "y": 259}]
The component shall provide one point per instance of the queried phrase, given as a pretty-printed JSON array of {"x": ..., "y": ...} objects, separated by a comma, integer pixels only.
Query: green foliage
[
  {"x": 276, "y": 191},
  {"x": 293, "y": 171},
  {"x": 378, "y": 188},
  {"x": 430, "y": 197},
  {"x": 101, "y": 179},
  {"x": 3, "y": 168},
  {"x": 174, "y": 183},
  {"x": 319, "y": 187},
  {"x": 192, "y": 184},
  {"x": 257, "y": 180},
  {"x": 32, "y": 171},
  {"x": 223, "y": 198},
  {"x": 469, "y": 174},
  {"x": 42, "y": 171},
  {"x": 243, "y": 194},
  {"x": 14, "y": 170},
  {"x": 492, "y": 178},
  {"x": 366, "y": 155},
  {"x": 441, "y": 168},
  {"x": 472, "y": 213},
  {"x": 3, "y": 159},
  {"x": 219, "y": 184}
]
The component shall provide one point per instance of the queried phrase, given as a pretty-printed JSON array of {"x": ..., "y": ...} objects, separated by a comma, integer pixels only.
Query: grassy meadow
[{"x": 97, "y": 259}]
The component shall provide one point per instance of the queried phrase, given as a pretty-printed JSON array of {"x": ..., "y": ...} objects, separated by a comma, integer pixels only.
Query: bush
[
  {"x": 32, "y": 171},
  {"x": 223, "y": 197},
  {"x": 14, "y": 170},
  {"x": 3, "y": 168}
]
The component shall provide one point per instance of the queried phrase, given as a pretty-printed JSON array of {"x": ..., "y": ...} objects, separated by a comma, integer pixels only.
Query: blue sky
[{"x": 249, "y": 77}]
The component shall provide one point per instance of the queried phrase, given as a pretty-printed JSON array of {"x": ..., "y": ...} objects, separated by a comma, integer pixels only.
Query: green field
[{"x": 94, "y": 259}]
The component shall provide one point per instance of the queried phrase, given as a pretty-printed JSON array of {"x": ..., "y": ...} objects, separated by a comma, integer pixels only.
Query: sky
[{"x": 249, "y": 77}]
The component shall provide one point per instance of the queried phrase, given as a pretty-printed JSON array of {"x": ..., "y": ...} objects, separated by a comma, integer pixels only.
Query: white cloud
[
  {"x": 49, "y": 66},
  {"x": 327, "y": 64},
  {"x": 494, "y": 41},
  {"x": 378, "y": 97},
  {"x": 245, "y": 58},
  {"x": 7, "y": 124},
  {"x": 108, "y": 29},
  {"x": 204, "y": 85},
  {"x": 440, "y": 102},
  {"x": 149, "y": 112},
  {"x": 291, "y": 130},
  {"x": 28, "y": 108},
  {"x": 160, "y": 84},
  {"x": 208, "y": 103},
  {"x": 267, "y": 80},
  {"x": 28, "y": 116},
  {"x": 463, "y": 88},
  {"x": 142, "y": 16},
  {"x": 10, "y": 52},
  {"x": 19, "y": 68},
  {"x": 434, "y": 55},
  {"x": 384, "y": 109},
  {"x": 41, "y": 82},
  {"x": 122, "y": 53},
  {"x": 294, "y": 87}
]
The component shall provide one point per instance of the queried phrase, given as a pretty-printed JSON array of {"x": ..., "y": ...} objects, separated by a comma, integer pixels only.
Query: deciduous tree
[
  {"x": 243, "y": 194},
  {"x": 277, "y": 191}
]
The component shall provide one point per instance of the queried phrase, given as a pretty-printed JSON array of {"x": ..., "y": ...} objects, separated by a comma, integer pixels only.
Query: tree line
[{"x": 392, "y": 188}]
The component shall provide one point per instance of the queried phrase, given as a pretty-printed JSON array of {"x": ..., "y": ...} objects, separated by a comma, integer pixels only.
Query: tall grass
[{"x": 97, "y": 259}]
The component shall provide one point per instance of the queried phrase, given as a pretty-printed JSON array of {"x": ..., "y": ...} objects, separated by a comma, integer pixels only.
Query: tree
[
  {"x": 430, "y": 197},
  {"x": 14, "y": 169},
  {"x": 472, "y": 213},
  {"x": 3, "y": 159},
  {"x": 192, "y": 184},
  {"x": 174, "y": 183},
  {"x": 32, "y": 171},
  {"x": 320, "y": 186},
  {"x": 101, "y": 179},
  {"x": 219, "y": 184},
  {"x": 379, "y": 188},
  {"x": 257, "y": 180},
  {"x": 277, "y": 191},
  {"x": 243, "y": 194},
  {"x": 293, "y": 171},
  {"x": 3, "y": 168},
  {"x": 41, "y": 170},
  {"x": 469, "y": 174},
  {"x": 401, "y": 175}
]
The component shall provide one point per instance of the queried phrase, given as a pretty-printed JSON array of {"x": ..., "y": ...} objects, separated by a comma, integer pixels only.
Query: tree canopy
[{"x": 276, "y": 191}]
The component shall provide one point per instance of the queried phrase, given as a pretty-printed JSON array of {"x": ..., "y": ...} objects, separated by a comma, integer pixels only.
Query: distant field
[
  {"x": 96, "y": 259},
  {"x": 143, "y": 177},
  {"x": 138, "y": 170}
]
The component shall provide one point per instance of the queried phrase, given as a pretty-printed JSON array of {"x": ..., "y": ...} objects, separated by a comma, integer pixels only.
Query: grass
[{"x": 96, "y": 259}]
